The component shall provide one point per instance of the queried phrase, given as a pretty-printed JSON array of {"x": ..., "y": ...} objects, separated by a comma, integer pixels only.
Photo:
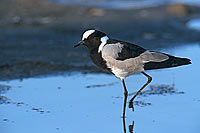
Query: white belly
[
  {"x": 123, "y": 68},
  {"x": 119, "y": 73},
  {"x": 122, "y": 73}
]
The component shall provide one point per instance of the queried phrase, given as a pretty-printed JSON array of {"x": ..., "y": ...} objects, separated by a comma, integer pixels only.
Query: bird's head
[{"x": 93, "y": 38}]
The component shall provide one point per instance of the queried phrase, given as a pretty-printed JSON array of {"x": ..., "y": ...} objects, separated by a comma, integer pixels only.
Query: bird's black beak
[{"x": 78, "y": 44}]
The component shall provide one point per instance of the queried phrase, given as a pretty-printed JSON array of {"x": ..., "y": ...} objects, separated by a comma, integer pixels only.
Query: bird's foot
[{"x": 131, "y": 105}]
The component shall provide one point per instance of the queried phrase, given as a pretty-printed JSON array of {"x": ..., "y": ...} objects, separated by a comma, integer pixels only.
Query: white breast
[{"x": 121, "y": 68}]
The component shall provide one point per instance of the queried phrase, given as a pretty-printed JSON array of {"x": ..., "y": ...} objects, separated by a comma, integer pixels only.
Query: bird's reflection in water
[{"x": 130, "y": 127}]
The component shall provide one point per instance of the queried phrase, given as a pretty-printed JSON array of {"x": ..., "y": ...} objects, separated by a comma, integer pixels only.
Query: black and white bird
[{"x": 124, "y": 59}]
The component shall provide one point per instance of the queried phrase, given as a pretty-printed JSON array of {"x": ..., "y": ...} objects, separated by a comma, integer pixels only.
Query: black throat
[{"x": 97, "y": 58}]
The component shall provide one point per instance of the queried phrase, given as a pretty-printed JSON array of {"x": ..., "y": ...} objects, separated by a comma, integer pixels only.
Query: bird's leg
[
  {"x": 149, "y": 80},
  {"x": 125, "y": 98},
  {"x": 124, "y": 124}
]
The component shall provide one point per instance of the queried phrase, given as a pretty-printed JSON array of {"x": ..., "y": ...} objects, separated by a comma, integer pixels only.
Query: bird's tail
[{"x": 171, "y": 62}]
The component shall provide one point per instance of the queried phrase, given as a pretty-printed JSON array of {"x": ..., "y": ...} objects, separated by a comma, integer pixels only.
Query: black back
[{"x": 128, "y": 51}]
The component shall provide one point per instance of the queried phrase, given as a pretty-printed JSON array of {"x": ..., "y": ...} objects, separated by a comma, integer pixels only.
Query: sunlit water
[
  {"x": 67, "y": 104},
  {"x": 194, "y": 24}
]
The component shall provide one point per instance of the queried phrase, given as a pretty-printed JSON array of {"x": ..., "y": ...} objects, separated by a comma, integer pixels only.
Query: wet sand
[{"x": 37, "y": 38}]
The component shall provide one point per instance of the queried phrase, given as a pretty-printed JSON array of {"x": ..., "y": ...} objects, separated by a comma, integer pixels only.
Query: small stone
[
  {"x": 96, "y": 12},
  {"x": 5, "y": 119},
  {"x": 16, "y": 19},
  {"x": 177, "y": 9}
]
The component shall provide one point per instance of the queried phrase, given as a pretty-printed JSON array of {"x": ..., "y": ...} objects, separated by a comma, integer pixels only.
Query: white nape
[{"x": 103, "y": 43}]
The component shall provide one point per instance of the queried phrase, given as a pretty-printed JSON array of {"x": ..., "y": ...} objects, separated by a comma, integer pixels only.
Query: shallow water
[
  {"x": 194, "y": 24},
  {"x": 93, "y": 102}
]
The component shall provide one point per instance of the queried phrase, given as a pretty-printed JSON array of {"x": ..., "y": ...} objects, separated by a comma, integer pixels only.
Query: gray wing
[
  {"x": 121, "y": 51},
  {"x": 125, "y": 50},
  {"x": 130, "y": 65},
  {"x": 153, "y": 56}
]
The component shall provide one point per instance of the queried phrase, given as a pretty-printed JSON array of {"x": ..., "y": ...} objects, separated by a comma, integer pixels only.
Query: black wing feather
[
  {"x": 128, "y": 51},
  {"x": 171, "y": 62}
]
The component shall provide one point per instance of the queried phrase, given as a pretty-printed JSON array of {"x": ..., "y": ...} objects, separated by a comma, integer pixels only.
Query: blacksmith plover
[{"x": 124, "y": 59}]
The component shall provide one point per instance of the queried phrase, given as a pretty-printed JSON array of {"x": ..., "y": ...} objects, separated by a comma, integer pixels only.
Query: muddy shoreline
[{"x": 37, "y": 38}]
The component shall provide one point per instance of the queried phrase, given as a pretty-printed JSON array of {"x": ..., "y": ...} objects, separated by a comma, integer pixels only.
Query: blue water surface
[{"x": 74, "y": 103}]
